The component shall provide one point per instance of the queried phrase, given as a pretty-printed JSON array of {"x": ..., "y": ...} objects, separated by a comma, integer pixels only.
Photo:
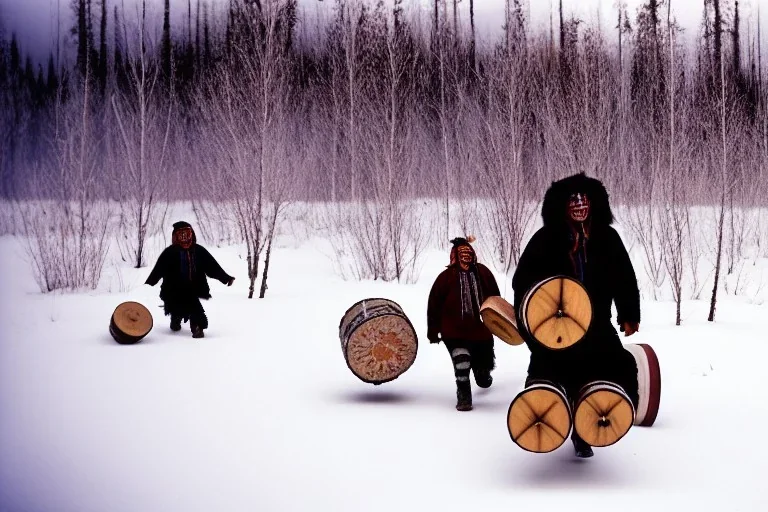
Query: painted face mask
[
  {"x": 184, "y": 237},
  {"x": 465, "y": 257},
  {"x": 578, "y": 207}
]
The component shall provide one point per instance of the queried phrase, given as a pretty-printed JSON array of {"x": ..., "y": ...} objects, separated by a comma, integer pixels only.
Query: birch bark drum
[
  {"x": 539, "y": 418},
  {"x": 378, "y": 340},
  {"x": 648, "y": 383},
  {"x": 130, "y": 322},
  {"x": 556, "y": 312},
  {"x": 604, "y": 413},
  {"x": 499, "y": 317}
]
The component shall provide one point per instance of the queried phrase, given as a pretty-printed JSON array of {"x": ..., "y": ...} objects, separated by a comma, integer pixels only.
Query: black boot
[
  {"x": 463, "y": 396},
  {"x": 197, "y": 332},
  {"x": 175, "y": 323},
  {"x": 483, "y": 377},
  {"x": 583, "y": 450}
]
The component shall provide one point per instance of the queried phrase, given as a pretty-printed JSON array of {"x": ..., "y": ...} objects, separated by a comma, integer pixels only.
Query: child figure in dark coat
[
  {"x": 453, "y": 315},
  {"x": 183, "y": 267},
  {"x": 578, "y": 241}
]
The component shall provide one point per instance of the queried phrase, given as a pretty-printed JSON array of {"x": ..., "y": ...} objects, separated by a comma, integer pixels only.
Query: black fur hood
[{"x": 554, "y": 209}]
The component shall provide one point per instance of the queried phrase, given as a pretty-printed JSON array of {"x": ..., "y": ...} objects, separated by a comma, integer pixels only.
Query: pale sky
[{"x": 34, "y": 21}]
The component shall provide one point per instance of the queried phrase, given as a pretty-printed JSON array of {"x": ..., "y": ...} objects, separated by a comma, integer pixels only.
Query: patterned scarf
[{"x": 471, "y": 296}]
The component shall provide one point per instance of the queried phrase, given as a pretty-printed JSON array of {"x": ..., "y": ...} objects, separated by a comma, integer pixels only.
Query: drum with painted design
[{"x": 378, "y": 340}]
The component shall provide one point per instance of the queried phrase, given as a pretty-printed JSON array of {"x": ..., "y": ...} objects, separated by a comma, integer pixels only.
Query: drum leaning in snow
[
  {"x": 556, "y": 312},
  {"x": 130, "y": 322},
  {"x": 648, "y": 383},
  {"x": 378, "y": 340},
  {"x": 539, "y": 418}
]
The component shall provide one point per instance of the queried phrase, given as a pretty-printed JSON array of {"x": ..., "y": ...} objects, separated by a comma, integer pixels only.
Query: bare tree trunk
[
  {"x": 472, "y": 59},
  {"x": 444, "y": 132},
  {"x": 270, "y": 238},
  {"x": 720, "y": 223}
]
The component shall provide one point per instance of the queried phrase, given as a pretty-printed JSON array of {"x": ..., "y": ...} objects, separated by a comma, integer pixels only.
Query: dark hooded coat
[
  {"x": 446, "y": 313},
  {"x": 184, "y": 271},
  {"x": 597, "y": 257}
]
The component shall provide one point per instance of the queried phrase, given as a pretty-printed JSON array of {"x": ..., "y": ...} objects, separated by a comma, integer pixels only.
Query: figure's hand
[
  {"x": 630, "y": 328},
  {"x": 433, "y": 337},
  {"x": 231, "y": 281}
]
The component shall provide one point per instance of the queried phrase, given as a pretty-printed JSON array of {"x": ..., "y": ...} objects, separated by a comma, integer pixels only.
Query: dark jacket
[
  {"x": 604, "y": 269},
  {"x": 444, "y": 310},
  {"x": 184, "y": 272}
]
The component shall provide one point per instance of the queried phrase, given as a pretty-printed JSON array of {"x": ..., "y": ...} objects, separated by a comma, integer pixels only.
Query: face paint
[
  {"x": 466, "y": 256},
  {"x": 578, "y": 207},
  {"x": 184, "y": 237}
]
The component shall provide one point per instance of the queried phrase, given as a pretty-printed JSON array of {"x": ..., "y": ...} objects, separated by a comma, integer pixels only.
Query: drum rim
[
  {"x": 350, "y": 308},
  {"x": 377, "y": 381},
  {"x": 543, "y": 385},
  {"x": 654, "y": 399},
  {"x": 643, "y": 377},
  {"x": 539, "y": 284},
  {"x": 129, "y": 340}
]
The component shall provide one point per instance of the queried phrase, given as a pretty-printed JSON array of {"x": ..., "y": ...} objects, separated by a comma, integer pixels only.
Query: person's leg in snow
[
  {"x": 197, "y": 318},
  {"x": 483, "y": 362},
  {"x": 461, "y": 358},
  {"x": 176, "y": 310}
]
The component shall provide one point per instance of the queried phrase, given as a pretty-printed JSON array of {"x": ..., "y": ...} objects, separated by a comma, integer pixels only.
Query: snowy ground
[{"x": 263, "y": 413}]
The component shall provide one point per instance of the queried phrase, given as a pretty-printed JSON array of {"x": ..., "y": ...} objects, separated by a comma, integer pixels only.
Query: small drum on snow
[
  {"x": 130, "y": 322},
  {"x": 648, "y": 383},
  {"x": 556, "y": 312},
  {"x": 378, "y": 340},
  {"x": 539, "y": 418},
  {"x": 499, "y": 317},
  {"x": 604, "y": 413}
]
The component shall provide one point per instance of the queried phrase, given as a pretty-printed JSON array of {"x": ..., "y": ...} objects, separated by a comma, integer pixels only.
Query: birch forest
[{"x": 390, "y": 129}]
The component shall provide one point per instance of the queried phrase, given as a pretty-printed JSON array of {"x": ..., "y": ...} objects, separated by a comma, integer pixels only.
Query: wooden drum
[
  {"x": 604, "y": 413},
  {"x": 378, "y": 340},
  {"x": 556, "y": 312},
  {"x": 648, "y": 383},
  {"x": 539, "y": 418},
  {"x": 499, "y": 317},
  {"x": 130, "y": 322}
]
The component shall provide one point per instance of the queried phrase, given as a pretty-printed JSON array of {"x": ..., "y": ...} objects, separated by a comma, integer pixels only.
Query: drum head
[
  {"x": 557, "y": 312},
  {"x": 499, "y": 317},
  {"x": 539, "y": 419},
  {"x": 604, "y": 414},
  {"x": 381, "y": 349},
  {"x": 132, "y": 319}
]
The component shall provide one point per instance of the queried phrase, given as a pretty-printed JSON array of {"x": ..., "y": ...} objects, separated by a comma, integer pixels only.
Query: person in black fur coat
[
  {"x": 453, "y": 315},
  {"x": 577, "y": 240},
  {"x": 183, "y": 267}
]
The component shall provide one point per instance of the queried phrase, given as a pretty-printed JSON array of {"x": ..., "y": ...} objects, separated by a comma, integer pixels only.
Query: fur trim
[{"x": 555, "y": 207}]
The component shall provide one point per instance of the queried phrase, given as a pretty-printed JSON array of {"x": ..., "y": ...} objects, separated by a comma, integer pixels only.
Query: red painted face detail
[
  {"x": 465, "y": 256},
  {"x": 578, "y": 207},
  {"x": 184, "y": 237}
]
